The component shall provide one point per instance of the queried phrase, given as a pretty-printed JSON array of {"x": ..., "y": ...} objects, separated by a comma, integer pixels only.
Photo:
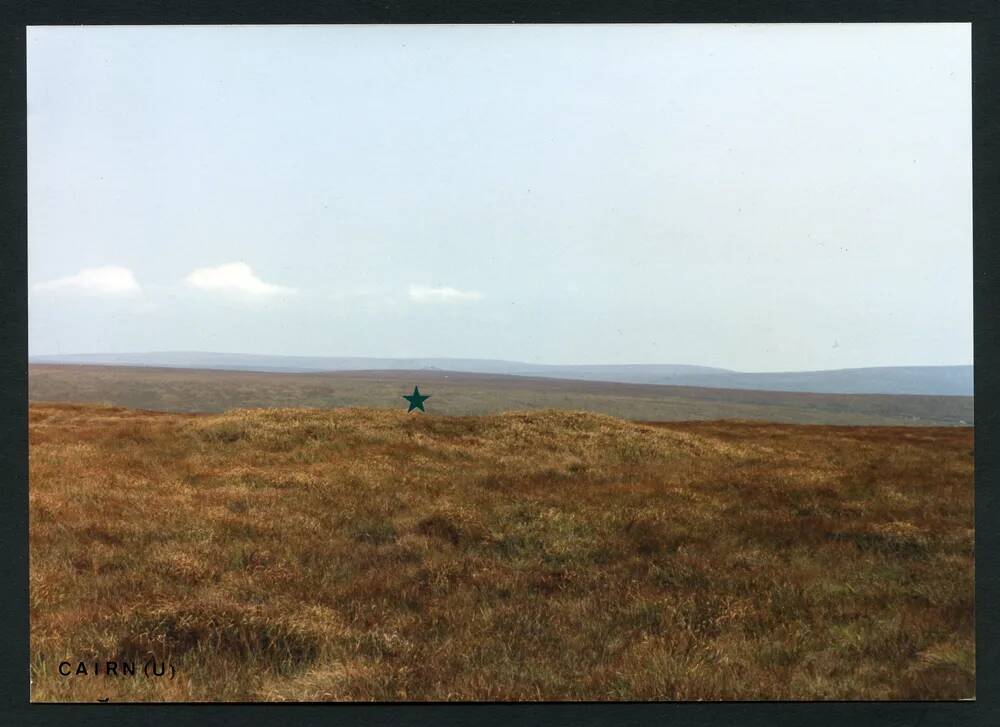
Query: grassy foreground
[{"x": 360, "y": 554}]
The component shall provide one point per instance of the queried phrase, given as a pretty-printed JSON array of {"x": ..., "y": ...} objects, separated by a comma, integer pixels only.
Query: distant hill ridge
[{"x": 928, "y": 380}]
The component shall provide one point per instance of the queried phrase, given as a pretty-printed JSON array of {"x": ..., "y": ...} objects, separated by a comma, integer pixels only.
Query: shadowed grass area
[{"x": 361, "y": 554}]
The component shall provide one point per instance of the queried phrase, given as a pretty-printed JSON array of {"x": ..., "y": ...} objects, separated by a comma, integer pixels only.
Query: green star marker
[{"x": 416, "y": 400}]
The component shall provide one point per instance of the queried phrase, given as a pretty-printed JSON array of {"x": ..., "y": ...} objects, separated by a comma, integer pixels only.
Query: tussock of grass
[{"x": 360, "y": 554}]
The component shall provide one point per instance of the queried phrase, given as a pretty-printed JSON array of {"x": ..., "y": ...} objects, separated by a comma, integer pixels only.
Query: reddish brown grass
[{"x": 360, "y": 554}]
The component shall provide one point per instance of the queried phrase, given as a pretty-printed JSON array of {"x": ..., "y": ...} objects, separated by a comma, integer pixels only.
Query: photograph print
[{"x": 489, "y": 363}]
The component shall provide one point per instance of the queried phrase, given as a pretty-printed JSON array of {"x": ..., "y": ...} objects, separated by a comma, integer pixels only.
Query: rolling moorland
[
  {"x": 924, "y": 380},
  {"x": 194, "y": 390},
  {"x": 365, "y": 554}
]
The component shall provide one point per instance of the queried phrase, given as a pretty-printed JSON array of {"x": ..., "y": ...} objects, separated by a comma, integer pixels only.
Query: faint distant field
[
  {"x": 194, "y": 390},
  {"x": 364, "y": 554}
]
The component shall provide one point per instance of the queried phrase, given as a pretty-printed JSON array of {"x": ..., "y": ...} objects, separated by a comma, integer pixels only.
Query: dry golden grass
[{"x": 360, "y": 554}]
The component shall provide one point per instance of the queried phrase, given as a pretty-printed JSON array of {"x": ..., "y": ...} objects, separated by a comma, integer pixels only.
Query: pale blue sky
[{"x": 754, "y": 197}]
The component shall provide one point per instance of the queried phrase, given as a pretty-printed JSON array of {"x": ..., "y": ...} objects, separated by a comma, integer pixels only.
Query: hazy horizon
[
  {"x": 679, "y": 364},
  {"x": 760, "y": 198}
]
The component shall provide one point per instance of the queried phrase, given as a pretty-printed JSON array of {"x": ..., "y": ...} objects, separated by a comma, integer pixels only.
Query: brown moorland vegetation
[
  {"x": 362, "y": 554},
  {"x": 211, "y": 391}
]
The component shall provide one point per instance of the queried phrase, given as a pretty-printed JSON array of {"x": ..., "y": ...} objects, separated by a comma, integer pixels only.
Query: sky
[{"x": 753, "y": 197}]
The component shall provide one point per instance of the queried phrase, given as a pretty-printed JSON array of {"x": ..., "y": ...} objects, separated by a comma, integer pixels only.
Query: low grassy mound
[{"x": 359, "y": 554}]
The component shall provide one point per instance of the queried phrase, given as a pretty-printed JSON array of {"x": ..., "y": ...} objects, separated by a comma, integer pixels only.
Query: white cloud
[
  {"x": 423, "y": 294},
  {"x": 233, "y": 277},
  {"x": 107, "y": 280}
]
